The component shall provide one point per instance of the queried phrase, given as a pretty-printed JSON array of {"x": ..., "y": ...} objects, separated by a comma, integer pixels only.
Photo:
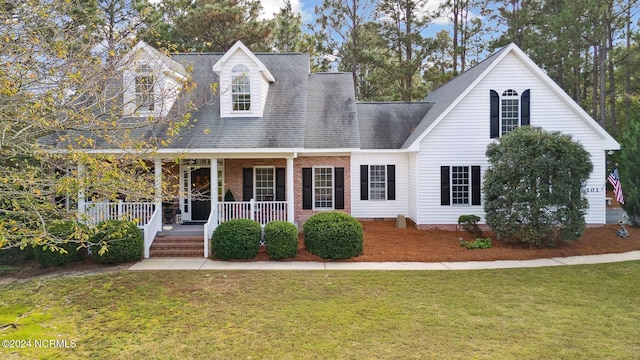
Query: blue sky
[{"x": 305, "y": 7}]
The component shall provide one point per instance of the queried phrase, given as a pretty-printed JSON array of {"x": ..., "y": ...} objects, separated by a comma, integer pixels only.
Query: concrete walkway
[{"x": 208, "y": 264}]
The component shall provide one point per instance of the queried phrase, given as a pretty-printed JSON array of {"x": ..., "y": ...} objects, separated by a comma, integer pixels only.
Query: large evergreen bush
[
  {"x": 333, "y": 235},
  {"x": 282, "y": 239},
  {"x": 236, "y": 239},
  {"x": 629, "y": 168},
  {"x": 117, "y": 241},
  {"x": 533, "y": 189}
]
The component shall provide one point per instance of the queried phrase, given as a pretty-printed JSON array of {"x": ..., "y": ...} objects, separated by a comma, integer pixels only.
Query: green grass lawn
[{"x": 568, "y": 312}]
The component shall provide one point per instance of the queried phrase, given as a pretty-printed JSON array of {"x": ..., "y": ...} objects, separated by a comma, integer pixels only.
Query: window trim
[
  {"x": 452, "y": 186},
  {"x": 313, "y": 187},
  {"x": 144, "y": 72},
  {"x": 255, "y": 181},
  {"x": 241, "y": 71},
  {"x": 384, "y": 182},
  {"x": 474, "y": 186},
  {"x": 510, "y": 95}
]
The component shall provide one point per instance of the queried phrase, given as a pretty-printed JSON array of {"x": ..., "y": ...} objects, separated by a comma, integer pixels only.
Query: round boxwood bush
[
  {"x": 282, "y": 239},
  {"x": 333, "y": 235},
  {"x": 117, "y": 241},
  {"x": 69, "y": 234},
  {"x": 236, "y": 239}
]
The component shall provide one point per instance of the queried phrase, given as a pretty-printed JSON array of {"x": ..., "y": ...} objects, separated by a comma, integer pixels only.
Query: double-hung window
[
  {"x": 510, "y": 111},
  {"x": 460, "y": 185},
  {"x": 377, "y": 182},
  {"x": 241, "y": 88},
  {"x": 323, "y": 188},
  {"x": 145, "y": 80},
  {"x": 265, "y": 185}
]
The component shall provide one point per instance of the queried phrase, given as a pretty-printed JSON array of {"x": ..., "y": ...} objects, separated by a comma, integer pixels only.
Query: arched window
[
  {"x": 241, "y": 88},
  {"x": 509, "y": 111}
]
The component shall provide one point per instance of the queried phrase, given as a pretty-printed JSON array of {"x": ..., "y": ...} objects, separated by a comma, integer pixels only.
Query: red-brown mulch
[{"x": 384, "y": 242}]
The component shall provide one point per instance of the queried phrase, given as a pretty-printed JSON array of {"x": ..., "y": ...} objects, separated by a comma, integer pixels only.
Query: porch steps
[{"x": 177, "y": 246}]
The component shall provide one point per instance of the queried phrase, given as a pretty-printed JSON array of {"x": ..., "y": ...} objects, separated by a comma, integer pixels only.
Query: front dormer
[
  {"x": 151, "y": 81},
  {"x": 244, "y": 83}
]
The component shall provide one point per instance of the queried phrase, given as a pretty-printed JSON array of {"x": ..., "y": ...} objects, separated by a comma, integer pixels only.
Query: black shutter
[
  {"x": 494, "y": 114},
  {"x": 364, "y": 182},
  {"x": 281, "y": 180},
  {"x": 445, "y": 198},
  {"x": 247, "y": 184},
  {"x": 525, "y": 101},
  {"x": 307, "y": 182},
  {"x": 475, "y": 185},
  {"x": 339, "y": 181},
  {"x": 391, "y": 182}
]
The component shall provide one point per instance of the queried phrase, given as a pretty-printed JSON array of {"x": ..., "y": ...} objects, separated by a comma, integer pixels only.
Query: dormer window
[
  {"x": 241, "y": 88},
  {"x": 145, "y": 80}
]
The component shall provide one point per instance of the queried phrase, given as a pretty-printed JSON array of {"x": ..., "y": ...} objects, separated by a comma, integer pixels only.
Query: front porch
[
  {"x": 152, "y": 221},
  {"x": 185, "y": 192}
]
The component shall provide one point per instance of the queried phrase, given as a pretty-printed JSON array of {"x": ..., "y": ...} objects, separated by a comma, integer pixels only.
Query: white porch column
[
  {"x": 158, "y": 181},
  {"x": 214, "y": 182},
  {"x": 82, "y": 207},
  {"x": 290, "y": 192}
]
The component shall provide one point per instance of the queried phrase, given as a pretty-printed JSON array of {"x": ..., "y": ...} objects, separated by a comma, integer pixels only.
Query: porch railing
[
  {"x": 260, "y": 211},
  {"x": 139, "y": 212},
  {"x": 151, "y": 229},
  {"x": 209, "y": 227}
]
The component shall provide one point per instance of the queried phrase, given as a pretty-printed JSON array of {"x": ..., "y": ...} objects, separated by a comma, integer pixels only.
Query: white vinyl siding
[
  {"x": 378, "y": 208},
  {"x": 446, "y": 144}
]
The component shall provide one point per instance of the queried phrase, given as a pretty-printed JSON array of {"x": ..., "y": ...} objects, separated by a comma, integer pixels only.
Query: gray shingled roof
[
  {"x": 331, "y": 112},
  {"x": 388, "y": 125},
  {"x": 446, "y": 94},
  {"x": 282, "y": 124}
]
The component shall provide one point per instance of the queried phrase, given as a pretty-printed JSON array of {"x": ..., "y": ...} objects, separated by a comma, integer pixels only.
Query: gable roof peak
[
  {"x": 239, "y": 46},
  {"x": 142, "y": 47}
]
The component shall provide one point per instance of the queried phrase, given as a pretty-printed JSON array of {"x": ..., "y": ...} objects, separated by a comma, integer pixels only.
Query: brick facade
[
  {"x": 233, "y": 172},
  {"x": 309, "y": 162}
]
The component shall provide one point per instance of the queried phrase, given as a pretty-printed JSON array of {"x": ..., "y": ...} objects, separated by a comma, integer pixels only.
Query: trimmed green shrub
[
  {"x": 117, "y": 241},
  {"x": 333, "y": 235},
  {"x": 236, "y": 239},
  {"x": 228, "y": 196},
  {"x": 63, "y": 253},
  {"x": 479, "y": 243},
  {"x": 470, "y": 224},
  {"x": 16, "y": 256},
  {"x": 282, "y": 239}
]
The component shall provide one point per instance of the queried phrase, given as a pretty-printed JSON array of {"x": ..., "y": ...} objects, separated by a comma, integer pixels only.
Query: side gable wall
[{"x": 462, "y": 137}]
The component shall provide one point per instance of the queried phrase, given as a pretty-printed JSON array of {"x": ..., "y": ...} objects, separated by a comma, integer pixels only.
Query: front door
[{"x": 200, "y": 193}]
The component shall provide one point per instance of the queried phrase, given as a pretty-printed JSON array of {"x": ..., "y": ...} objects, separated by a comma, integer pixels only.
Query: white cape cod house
[{"x": 288, "y": 143}]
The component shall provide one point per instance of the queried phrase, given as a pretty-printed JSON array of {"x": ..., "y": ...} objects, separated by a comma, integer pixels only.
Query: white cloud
[{"x": 270, "y": 7}]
